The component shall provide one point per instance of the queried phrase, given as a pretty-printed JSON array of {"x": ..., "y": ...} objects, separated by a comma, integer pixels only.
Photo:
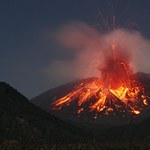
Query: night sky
[{"x": 27, "y": 46}]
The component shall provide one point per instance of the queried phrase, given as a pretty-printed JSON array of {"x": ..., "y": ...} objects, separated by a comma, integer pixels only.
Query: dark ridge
[{"x": 20, "y": 120}]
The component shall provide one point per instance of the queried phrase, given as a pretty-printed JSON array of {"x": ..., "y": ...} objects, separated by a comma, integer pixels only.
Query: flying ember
[{"x": 115, "y": 89}]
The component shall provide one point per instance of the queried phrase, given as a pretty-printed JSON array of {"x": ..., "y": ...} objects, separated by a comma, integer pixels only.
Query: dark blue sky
[{"x": 23, "y": 24}]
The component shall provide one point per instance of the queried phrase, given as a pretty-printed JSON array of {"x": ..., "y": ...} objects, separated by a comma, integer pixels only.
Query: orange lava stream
[
  {"x": 132, "y": 97},
  {"x": 114, "y": 90}
]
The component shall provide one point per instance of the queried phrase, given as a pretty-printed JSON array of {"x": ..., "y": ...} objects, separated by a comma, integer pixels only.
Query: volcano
[
  {"x": 117, "y": 96},
  {"x": 92, "y": 119},
  {"x": 115, "y": 89}
]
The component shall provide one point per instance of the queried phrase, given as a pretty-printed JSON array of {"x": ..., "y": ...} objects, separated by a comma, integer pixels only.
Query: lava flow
[{"x": 115, "y": 89}]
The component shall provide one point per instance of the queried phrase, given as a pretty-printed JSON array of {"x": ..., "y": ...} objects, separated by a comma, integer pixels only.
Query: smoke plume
[{"x": 89, "y": 47}]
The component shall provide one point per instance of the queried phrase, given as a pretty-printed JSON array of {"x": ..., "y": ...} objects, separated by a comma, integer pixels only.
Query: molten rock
[{"x": 115, "y": 90}]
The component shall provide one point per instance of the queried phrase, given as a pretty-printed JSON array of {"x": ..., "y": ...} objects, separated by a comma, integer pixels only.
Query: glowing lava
[{"x": 116, "y": 89}]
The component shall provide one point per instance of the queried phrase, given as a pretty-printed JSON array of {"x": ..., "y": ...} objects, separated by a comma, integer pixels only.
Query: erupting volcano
[{"x": 116, "y": 89}]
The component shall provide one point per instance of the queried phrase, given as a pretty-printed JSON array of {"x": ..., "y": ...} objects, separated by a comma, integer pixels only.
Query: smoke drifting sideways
[{"x": 90, "y": 48}]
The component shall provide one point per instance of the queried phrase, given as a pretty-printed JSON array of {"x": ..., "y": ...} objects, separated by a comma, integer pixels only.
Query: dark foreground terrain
[
  {"x": 24, "y": 126},
  {"x": 22, "y": 123},
  {"x": 34, "y": 145}
]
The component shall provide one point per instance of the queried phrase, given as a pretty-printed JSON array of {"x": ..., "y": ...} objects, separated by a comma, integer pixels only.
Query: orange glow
[
  {"x": 114, "y": 89},
  {"x": 80, "y": 110},
  {"x": 137, "y": 112},
  {"x": 145, "y": 102}
]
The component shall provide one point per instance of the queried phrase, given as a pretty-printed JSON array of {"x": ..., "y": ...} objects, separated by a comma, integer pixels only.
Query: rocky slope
[{"x": 22, "y": 121}]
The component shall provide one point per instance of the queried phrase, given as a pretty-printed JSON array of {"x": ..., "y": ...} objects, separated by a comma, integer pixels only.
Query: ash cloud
[{"x": 89, "y": 47}]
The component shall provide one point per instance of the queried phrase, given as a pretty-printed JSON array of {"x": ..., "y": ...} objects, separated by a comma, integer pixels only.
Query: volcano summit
[{"x": 116, "y": 88}]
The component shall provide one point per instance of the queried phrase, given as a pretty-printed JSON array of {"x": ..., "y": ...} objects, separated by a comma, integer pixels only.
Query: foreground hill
[{"x": 22, "y": 121}]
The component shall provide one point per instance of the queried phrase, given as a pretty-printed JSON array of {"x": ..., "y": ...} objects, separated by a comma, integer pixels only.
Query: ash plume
[{"x": 90, "y": 47}]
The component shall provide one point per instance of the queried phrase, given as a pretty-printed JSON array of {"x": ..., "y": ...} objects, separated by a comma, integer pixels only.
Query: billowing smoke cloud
[{"x": 90, "y": 47}]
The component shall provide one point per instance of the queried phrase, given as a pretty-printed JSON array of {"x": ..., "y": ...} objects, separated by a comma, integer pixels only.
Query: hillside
[{"x": 20, "y": 120}]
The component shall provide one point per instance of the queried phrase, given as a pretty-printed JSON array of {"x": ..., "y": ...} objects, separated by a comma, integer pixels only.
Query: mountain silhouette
[{"x": 22, "y": 121}]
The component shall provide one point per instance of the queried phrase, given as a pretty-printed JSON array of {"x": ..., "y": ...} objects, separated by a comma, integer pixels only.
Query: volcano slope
[
  {"x": 22, "y": 121},
  {"x": 87, "y": 119}
]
